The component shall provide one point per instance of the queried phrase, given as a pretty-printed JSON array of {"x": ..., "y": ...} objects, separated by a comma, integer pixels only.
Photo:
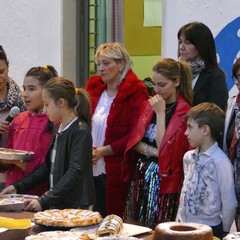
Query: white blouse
[{"x": 99, "y": 125}]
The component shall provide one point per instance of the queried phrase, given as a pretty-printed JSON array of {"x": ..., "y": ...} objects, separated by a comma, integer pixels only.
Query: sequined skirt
[{"x": 145, "y": 204}]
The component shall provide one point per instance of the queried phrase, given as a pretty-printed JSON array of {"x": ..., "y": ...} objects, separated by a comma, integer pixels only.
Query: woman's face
[
  {"x": 165, "y": 87},
  {"x": 237, "y": 82},
  {"x": 187, "y": 51},
  {"x": 109, "y": 70},
  {"x": 32, "y": 94},
  {"x": 3, "y": 74}
]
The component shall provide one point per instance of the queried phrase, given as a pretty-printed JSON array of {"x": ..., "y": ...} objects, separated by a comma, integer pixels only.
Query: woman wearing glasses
[{"x": 231, "y": 135}]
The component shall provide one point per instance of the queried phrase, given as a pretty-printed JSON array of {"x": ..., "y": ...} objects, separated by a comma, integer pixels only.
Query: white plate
[
  {"x": 11, "y": 198},
  {"x": 3, "y": 230},
  {"x": 132, "y": 230},
  {"x": 128, "y": 230}
]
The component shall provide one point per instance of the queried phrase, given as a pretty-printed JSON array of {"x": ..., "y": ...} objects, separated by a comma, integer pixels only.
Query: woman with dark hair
[
  {"x": 31, "y": 130},
  {"x": 10, "y": 96},
  {"x": 197, "y": 47},
  {"x": 231, "y": 134}
]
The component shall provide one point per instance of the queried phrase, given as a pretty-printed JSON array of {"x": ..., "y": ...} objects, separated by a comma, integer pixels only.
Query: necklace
[
  {"x": 170, "y": 107},
  {"x": 62, "y": 128}
]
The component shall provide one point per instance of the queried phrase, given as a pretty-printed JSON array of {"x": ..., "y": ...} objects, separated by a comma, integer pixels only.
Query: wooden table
[{"x": 20, "y": 234}]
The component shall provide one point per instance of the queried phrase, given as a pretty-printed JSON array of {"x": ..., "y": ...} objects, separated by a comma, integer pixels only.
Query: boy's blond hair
[{"x": 208, "y": 114}]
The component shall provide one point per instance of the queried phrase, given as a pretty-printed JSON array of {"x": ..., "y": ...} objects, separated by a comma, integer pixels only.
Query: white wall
[{"x": 31, "y": 34}]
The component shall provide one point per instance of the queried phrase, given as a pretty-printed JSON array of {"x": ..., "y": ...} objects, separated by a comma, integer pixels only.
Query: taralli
[
  {"x": 67, "y": 218},
  {"x": 111, "y": 224}
]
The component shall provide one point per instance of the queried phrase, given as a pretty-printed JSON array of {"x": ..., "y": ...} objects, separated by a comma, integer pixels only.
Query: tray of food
[
  {"x": 112, "y": 227},
  {"x": 67, "y": 218},
  {"x": 13, "y": 154},
  {"x": 66, "y": 235},
  {"x": 63, "y": 235},
  {"x": 14, "y": 202}
]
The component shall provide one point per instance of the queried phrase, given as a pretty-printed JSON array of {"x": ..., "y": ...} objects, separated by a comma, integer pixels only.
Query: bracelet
[{"x": 146, "y": 150}]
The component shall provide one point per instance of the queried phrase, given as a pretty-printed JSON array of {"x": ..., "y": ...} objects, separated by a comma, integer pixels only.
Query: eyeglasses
[{"x": 237, "y": 78}]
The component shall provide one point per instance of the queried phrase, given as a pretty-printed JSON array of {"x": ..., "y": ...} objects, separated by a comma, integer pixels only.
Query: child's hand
[
  {"x": 33, "y": 205},
  {"x": 9, "y": 190}
]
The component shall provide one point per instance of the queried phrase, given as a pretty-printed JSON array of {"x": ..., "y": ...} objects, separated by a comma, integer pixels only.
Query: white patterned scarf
[{"x": 196, "y": 67}]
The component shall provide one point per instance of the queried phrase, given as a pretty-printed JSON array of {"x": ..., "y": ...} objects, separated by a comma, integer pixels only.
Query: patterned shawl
[{"x": 13, "y": 97}]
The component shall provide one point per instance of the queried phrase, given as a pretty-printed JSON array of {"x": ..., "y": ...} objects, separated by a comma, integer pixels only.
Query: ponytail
[{"x": 83, "y": 109}]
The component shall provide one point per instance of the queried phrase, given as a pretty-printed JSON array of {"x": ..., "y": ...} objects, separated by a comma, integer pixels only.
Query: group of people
[{"x": 113, "y": 148}]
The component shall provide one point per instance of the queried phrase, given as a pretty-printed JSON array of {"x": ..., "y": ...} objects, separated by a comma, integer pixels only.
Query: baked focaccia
[
  {"x": 67, "y": 218},
  {"x": 111, "y": 224},
  {"x": 59, "y": 235}
]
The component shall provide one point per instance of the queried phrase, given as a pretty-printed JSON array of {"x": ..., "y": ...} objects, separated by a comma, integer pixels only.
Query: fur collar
[{"x": 130, "y": 85}]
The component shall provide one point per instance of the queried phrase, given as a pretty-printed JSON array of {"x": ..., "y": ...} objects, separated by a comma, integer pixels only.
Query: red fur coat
[{"x": 122, "y": 116}]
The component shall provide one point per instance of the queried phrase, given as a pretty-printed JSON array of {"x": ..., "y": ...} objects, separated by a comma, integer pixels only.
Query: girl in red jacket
[
  {"x": 159, "y": 141},
  {"x": 31, "y": 130}
]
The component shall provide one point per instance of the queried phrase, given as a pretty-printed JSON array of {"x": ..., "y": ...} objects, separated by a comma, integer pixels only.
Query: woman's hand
[
  {"x": 97, "y": 153},
  {"x": 4, "y": 126},
  {"x": 33, "y": 205},
  {"x": 158, "y": 104},
  {"x": 9, "y": 190}
]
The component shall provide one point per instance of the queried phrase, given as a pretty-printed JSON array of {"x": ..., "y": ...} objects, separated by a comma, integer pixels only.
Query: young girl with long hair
[
  {"x": 31, "y": 130},
  {"x": 68, "y": 163}
]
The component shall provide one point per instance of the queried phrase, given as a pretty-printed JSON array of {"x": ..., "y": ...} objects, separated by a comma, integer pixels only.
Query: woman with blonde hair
[{"x": 116, "y": 96}]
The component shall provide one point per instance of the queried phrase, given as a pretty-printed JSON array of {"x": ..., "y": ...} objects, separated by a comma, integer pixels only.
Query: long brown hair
[{"x": 174, "y": 70}]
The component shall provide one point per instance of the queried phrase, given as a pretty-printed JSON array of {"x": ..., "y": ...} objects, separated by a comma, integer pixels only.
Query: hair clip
[
  {"x": 45, "y": 67},
  {"x": 76, "y": 91}
]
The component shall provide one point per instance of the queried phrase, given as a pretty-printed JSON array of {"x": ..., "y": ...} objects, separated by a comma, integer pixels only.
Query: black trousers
[
  {"x": 218, "y": 230},
  {"x": 100, "y": 189}
]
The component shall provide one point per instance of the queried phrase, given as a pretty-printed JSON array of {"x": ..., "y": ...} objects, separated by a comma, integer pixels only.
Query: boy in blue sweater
[{"x": 208, "y": 194}]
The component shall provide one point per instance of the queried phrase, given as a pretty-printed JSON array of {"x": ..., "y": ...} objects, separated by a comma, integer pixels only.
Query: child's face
[
  {"x": 165, "y": 87},
  {"x": 51, "y": 109},
  {"x": 32, "y": 94},
  {"x": 194, "y": 133}
]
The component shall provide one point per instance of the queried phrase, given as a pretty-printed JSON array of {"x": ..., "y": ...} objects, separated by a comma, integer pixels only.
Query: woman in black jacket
[
  {"x": 69, "y": 160},
  {"x": 197, "y": 47}
]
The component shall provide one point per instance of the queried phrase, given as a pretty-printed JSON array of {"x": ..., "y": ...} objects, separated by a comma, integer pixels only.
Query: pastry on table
[
  {"x": 67, "y": 218},
  {"x": 232, "y": 236},
  {"x": 111, "y": 224},
  {"x": 118, "y": 238},
  {"x": 60, "y": 235}
]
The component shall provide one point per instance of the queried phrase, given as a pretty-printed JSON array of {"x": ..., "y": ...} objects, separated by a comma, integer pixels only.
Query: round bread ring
[{"x": 182, "y": 231}]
